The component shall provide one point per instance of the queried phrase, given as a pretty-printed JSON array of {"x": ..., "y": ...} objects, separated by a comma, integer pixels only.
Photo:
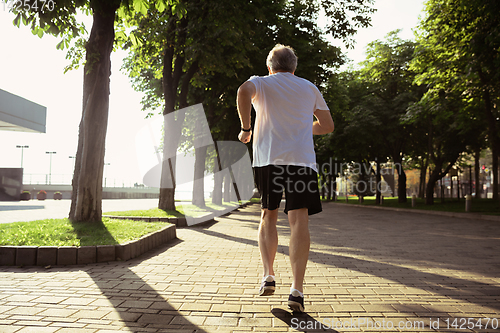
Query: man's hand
[
  {"x": 245, "y": 136},
  {"x": 244, "y": 102}
]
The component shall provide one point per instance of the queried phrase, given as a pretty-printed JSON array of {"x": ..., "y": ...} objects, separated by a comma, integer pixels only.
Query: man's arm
[
  {"x": 244, "y": 101},
  {"x": 324, "y": 123}
]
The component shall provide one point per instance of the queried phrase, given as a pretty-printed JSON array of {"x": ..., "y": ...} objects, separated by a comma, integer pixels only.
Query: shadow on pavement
[
  {"x": 474, "y": 292},
  {"x": 301, "y": 322},
  {"x": 10, "y": 208},
  {"x": 139, "y": 305}
]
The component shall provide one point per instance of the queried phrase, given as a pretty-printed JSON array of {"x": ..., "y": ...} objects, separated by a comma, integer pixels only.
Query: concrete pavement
[
  {"x": 20, "y": 211},
  {"x": 369, "y": 270}
]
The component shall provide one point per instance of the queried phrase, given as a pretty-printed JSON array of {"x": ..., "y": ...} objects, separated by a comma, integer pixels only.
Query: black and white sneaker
[
  {"x": 268, "y": 286},
  {"x": 296, "y": 301}
]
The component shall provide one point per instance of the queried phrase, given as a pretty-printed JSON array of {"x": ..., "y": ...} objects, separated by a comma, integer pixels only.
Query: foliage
[{"x": 458, "y": 59}]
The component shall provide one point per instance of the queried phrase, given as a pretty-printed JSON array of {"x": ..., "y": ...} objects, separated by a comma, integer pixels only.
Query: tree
[
  {"x": 222, "y": 38},
  {"x": 447, "y": 132},
  {"x": 459, "y": 42},
  {"x": 386, "y": 71},
  {"x": 61, "y": 21},
  {"x": 176, "y": 48}
]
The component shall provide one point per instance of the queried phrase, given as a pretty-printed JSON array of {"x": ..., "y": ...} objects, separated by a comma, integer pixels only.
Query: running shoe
[
  {"x": 296, "y": 301},
  {"x": 268, "y": 286}
]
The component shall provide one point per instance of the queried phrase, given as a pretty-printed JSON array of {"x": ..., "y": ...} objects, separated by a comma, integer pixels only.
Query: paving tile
[
  {"x": 220, "y": 321},
  {"x": 37, "y": 329},
  {"x": 195, "y": 307},
  {"x": 89, "y": 314},
  {"x": 57, "y": 313},
  {"x": 157, "y": 319},
  {"x": 252, "y": 322},
  {"x": 136, "y": 304},
  {"x": 24, "y": 310},
  {"x": 9, "y": 328}
]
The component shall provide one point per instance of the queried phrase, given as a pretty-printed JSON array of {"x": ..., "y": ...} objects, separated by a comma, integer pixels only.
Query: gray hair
[{"x": 282, "y": 58}]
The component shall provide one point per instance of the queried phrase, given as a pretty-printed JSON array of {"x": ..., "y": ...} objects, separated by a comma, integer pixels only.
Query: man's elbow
[{"x": 330, "y": 127}]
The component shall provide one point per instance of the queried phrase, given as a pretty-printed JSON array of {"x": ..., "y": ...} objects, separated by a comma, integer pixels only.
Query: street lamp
[
  {"x": 50, "y": 169},
  {"x": 105, "y": 174},
  {"x": 22, "y": 153},
  {"x": 74, "y": 159}
]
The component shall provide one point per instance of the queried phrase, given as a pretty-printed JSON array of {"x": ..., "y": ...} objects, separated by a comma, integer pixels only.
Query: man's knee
[
  {"x": 269, "y": 215},
  {"x": 298, "y": 217}
]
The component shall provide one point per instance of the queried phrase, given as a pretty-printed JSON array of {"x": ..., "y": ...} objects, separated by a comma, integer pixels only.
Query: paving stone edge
[{"x": 82, "y": 255}]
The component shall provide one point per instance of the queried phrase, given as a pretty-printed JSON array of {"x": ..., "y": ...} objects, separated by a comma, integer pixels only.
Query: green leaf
[
  {"x": 160, "y": 6},
  {"x": 60, "y": 45},
  {"x": 141, "y": 7},
  {"x": 17, "y": 20}
]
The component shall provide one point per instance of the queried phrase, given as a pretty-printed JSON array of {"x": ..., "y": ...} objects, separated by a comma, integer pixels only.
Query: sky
[{"x": 32, "y": 68}]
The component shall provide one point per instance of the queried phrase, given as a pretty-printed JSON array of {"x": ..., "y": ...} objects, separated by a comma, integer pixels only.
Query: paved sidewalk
[{"x": 369, "y": 270}]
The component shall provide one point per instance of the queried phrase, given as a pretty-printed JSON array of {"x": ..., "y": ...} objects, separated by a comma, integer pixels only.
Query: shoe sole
[
  {"x": 267, "y": 291},
  {"x": 295, "y": 306}
]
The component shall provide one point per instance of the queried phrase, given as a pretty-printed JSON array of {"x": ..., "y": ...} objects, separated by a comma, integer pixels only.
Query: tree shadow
[
  {"x": 30, "y": 207},
  {"x": 88, "y": 232},
  {"x": 139, "y": 305}
]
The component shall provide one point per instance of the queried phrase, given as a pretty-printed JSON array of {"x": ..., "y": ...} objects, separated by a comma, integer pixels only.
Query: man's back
[{"x": 285, "y": 105}]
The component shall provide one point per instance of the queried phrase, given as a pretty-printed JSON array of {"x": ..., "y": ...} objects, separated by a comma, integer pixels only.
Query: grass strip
[
  {"x": 480, "y": 206},
  {"x": 62, "y": 232},
  {"x": 182, "y": 210}
]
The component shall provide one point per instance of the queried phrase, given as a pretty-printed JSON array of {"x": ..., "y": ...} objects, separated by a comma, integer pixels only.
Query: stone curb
[
  {"x": 179, "y": 222},
  {"x": 473, "y": 216},
  {"x": 73, "y": 255}
]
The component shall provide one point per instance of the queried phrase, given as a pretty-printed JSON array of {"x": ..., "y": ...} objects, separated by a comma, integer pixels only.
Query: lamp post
[
  {"x": 105, "y": 173},
  {"x": 22, "y": 153},
  {"x": 50, "y": 168}
]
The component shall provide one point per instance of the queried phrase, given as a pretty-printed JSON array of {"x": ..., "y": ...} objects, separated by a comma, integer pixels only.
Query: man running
[{"x": 284, "y": 159}]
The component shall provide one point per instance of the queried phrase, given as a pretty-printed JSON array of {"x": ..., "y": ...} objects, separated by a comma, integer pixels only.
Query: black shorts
[{"x": 299, "y": 183}]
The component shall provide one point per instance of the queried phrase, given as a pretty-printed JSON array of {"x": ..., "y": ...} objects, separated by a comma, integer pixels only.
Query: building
[{"x": 22, "y": 115}]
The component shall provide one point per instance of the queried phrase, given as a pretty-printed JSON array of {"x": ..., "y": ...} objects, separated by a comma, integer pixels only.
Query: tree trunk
[
  {"x": 423, "y": 174},
  {"x": 477, "y": 170},
  {"x": 227, "y": 186},
  {"x": 402, "y": 196},
  {"x": 86, "y": 200},
  {"x": 172, "y": 72},
  {"x": 217, "y": 195},
  {"x": 429, "y": 190},
  {"x": 494, "y": 170},
  {"x": 218, "y": 177},
  {"x": 491, "y": 121},
  {"x": 378, "y": 181},
  {"x": 199, "y": 172}
]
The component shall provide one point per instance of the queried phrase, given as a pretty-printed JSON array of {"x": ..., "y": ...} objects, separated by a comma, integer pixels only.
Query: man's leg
[
  {"x": 299, "y": 245},
  {"x": 268, "y": 239}
]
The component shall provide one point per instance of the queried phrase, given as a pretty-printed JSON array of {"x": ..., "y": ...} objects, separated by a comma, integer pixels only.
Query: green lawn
[
  {"x": 188, "y": 208},
  {"x": 482, "y": 206},
  {"x": 62, "y": 232}
]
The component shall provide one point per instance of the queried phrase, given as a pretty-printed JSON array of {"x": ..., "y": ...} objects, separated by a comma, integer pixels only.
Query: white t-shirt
[{"x": 284, "y": 105}]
